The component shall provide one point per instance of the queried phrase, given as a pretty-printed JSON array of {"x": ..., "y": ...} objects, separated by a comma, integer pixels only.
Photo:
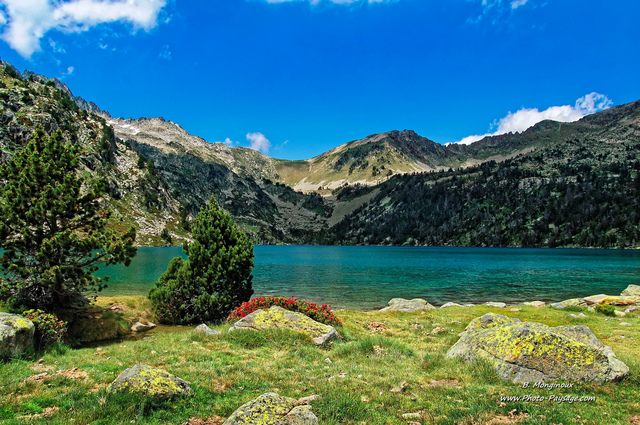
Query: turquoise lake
[{"x": 365, "y": 278}]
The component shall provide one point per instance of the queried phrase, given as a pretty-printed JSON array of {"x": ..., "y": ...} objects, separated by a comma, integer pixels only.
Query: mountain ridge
[{"x": 394, "y": 188}]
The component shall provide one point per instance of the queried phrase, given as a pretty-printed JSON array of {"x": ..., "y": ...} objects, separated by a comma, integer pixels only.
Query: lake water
[{"x": 368, "y": 277}]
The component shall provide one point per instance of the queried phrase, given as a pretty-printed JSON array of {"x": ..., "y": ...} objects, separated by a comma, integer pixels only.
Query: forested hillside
[{"x": 580, "y": 192}]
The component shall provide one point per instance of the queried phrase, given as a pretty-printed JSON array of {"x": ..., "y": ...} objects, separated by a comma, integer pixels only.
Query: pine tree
[
  {"x": 52, "y": 228},
  {"x": 214, "y": 279}
]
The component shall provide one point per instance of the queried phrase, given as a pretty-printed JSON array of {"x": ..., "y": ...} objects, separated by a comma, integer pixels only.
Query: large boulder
[
  {"x": 573, "y": 302},
  {"x": 534, "y": 352},
  {"x": 146, "y": 380},
  {"x": 631, "y": 291},
  {"x": 279, "y": 318},
  {"x": 273, "y": 409},
  {"x": 16, "y": 335},
  {"x": 205, "y": 330},
  {"x": 408, "y": 306}
]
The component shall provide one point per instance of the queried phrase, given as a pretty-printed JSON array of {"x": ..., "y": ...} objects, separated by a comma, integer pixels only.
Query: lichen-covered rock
[
  {"x": 150, "y": 381},
  {"x": 16, "y": 335},
  {"x": 612, "y": 300},
  {"x": 573, "y": 302},
  {"x": 204, "y": 329},
  {"x": 534, "y": 352},
  {"x": 279, "y": 318},
  {"x": 631, "y": 291},
  {"x": 537, "y": 304},
  {"x": 273, "y": 409},
  {"x": 408, "y": 306}
]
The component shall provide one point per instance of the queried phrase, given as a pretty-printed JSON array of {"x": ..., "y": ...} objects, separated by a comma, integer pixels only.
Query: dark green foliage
[
  {"x": 214, "y": 279},
  {"x": 580, "y": 194},
  {"x": 52, "y": 227},
  {"x": 606, "y": 309}
]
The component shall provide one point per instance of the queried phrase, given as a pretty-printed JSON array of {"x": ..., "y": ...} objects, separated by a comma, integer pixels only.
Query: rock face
[
  {"x": 534, "y": 352},
  {"x": 273, "y": 409},
  {"x": 16, "y": 335},
  {"x": 573, "y": 302},
  {"x": 408, "y": 306},
  {"x": 631, "y": 291},
  {"x": 149, "y": 381},
  {"x": 279, "y": 318},
  {"x": 204, "y": 329}
]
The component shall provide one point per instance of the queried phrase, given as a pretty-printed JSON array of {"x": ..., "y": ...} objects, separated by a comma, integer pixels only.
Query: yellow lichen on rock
[
  {"x": 150, "y": 381},
  {"x": 530, "y": 351}
]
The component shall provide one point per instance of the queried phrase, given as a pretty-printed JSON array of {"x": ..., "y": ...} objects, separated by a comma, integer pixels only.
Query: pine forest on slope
[{"x": 554, "y": 185}]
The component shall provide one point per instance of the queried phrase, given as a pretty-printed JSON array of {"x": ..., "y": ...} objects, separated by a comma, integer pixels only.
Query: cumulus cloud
[
  {"x": 258, "y": 142},
  {"x": 229, "y": 142},
  {"x": 25, "y": 22},
  {"x": 526, "y": 117}
]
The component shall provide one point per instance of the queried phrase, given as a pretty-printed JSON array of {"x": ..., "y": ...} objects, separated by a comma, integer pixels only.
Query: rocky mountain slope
[{"x": 556, "y": 184}]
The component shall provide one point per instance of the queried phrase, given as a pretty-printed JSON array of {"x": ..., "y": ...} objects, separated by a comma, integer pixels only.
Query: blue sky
[{"x": 296, "y": 78}]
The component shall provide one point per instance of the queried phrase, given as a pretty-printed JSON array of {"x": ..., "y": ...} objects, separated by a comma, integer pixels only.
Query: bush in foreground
[
  {"x": 49, "y": 329},
  {"x": 214, "y": 279},
  {"x": 322, "y": 314}
]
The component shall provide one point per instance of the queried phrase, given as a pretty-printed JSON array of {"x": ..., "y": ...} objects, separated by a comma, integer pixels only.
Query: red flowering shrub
[
  {"x": 322, "y": 314},
  {"x": 49, "y": 329}
]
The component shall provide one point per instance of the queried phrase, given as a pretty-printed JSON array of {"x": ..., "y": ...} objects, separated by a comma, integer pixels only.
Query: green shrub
[
  {"x": 49, "y": 329},
  {"x": 214, "y": 279},
  {"x": 606, "y": 309}
]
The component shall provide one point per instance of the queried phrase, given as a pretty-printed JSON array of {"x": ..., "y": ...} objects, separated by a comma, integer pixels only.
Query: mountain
[{"x": 556, "y": 184}]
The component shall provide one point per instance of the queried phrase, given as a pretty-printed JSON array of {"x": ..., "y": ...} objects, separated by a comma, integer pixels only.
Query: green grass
[{"x": 355, "y": 377}]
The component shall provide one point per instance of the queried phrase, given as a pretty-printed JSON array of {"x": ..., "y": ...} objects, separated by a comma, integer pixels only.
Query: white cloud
[
  {"x": 165, "y": 53},
  {"x": 517, "y": 3},
  {"x": 527, "y": 117},
  {"x": 229, "y": 142},
  {"x": 25, "y": 22},
  {"x": 259, "y": 142},
  {"x": 69, "y": 70}
]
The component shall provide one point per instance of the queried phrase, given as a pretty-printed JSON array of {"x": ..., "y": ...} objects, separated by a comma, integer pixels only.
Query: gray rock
[
  {"x": 408, "y": 306},
  {"x": 450, "y": 304},
  {"x": 146, "y": 380},
  {"x": 534, "y": 352},
  {"x": 494, "y": 304},
  {"x": 16, "y": 335},
  {"x": 631, "y": 309},
  {"x": 574, "y": 302},
  {"x": 273, "y": 409},
  {"x": 535, "y": 303},
  {"x": 279, "y": 318},
  {"x": 204, "y": 329},
  {"x": 631, "y": 291},
  {"x": 141, "y": 327}
]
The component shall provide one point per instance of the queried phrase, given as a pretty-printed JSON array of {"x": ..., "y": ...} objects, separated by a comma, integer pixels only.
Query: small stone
[
  {"x": 537, "y": 304},
  {"x": 630, "y": 309},
  {"x": 450, "y": 304},
  {"x": 412, "y": 415},
  {"x": 495, "y": 304},
  {"x": 142, "y": 327},
  {"x": 625, "y": 324},
  {"x": 619, "y": 313},
  {"x": 514, "y": 309},
  {"x": 206, "y": 330},
  {"x": 328, "y": 360},
  {"x": 408, "y": 306}
]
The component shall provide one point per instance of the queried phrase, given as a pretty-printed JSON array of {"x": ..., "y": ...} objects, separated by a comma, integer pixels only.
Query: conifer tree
[
  {"x": 214, "y": 279},
  {"x": 52, "y": 227}
]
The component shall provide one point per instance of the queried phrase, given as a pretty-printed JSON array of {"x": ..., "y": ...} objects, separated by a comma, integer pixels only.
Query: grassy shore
[{"x": 389, "y": 364}]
